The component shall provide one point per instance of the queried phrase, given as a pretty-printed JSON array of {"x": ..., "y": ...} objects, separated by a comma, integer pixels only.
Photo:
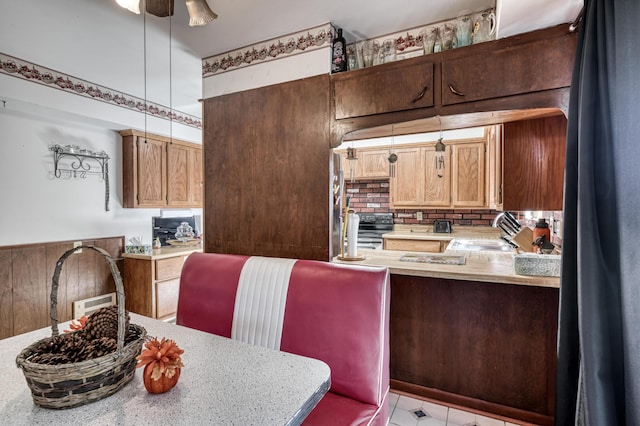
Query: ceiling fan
[{"x": 199, "y": 12}]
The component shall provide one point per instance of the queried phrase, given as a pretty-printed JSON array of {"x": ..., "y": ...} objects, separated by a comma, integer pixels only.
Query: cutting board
[{"x": 523, "y": 239}]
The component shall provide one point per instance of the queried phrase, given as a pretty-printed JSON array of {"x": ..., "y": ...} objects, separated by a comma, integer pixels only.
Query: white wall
[{"x": 35, "y": 206}]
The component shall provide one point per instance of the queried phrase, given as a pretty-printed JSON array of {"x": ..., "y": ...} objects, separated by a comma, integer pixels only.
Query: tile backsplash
[{"x": 372, "y": 196}]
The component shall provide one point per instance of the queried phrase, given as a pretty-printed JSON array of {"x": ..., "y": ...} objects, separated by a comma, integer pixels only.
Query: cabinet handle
[
  {"x": 454, "y": 91},
  {"x": 420, "y": 95}
]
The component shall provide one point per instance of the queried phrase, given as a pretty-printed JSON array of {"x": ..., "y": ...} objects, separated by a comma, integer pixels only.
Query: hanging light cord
[
  {"x": 144, "y": 48},
  {"x": 170, "y": 81}
]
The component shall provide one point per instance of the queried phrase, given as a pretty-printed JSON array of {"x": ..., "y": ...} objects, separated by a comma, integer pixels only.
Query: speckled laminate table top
[{"x": 224, "y": 382}]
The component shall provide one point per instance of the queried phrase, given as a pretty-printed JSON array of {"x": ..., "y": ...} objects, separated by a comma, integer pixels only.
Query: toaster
[{"x": 442, "y": 226}]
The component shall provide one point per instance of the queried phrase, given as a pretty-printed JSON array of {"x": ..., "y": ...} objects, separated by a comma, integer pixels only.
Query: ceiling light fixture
[
  {"x": 199, "y": 11},
  {"x": 132, "y": 5}
]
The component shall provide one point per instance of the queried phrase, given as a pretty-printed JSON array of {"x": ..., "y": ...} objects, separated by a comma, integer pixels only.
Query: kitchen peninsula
[
  {"x": 492, "y": 266},
  {"x": 475, "y": 334}
]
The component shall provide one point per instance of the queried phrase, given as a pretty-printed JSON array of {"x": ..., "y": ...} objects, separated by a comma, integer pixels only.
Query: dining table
[{"x": 223, "y": 382}]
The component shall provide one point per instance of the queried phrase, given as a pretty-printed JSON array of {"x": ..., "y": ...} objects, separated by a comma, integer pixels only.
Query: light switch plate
[{"x": 419, "y": 215}]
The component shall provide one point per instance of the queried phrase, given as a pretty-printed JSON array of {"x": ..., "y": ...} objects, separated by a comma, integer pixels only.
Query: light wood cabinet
[
  {"x": 152, "y": 285},
  {"x": 184, "y": 175},
  {"x": 436, "y": 177},
  {"x": 430, "y": 179},
  {"x": 370, "y": 164},
  {"x": 429, "y": 246},
  {"x": 149, "y": 164},
  {"x": 468, "y": 175},
  {"x": 494, "y": 166},
  {"x": 160, "y": 172},
  {"x": 407, "y": 185}
]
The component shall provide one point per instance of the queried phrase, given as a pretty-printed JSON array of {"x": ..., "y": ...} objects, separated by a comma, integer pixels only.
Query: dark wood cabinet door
[
  {"x": 529, "y": 67},
  {"x": 534, "y": 160},
  {"x": 266, "y": 166},
  {"x": 389, "y": 88}
]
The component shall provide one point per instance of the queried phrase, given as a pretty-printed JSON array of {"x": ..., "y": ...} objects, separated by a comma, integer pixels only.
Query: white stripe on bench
[{"x": 260, "y": 301}]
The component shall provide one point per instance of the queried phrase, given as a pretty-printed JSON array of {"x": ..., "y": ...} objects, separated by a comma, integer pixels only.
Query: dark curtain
[{"x": 598, "y": 379}]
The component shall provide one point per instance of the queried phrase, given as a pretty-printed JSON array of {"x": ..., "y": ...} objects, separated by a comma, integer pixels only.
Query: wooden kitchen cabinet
[
  {"x": 370, "y": 164},
  {"x": 375, "y": 90},
  {"x": 468, "y": 174},
  {"x": 429, "y": 246},
  {"x": 486, "y": 346},
  {"x": 504, "y": 76},
  {"x": 507, "y": 71},
  {"x": 494, "y": 166},
  {"x": 152, "y": 284},
  {"x": 150, "y": 169},
  {"x": 534, "y": 159},
  {"x": 160, "y": 172},
  {"x": 430, "y": 179},
  {"x": 184, "y": 175}
]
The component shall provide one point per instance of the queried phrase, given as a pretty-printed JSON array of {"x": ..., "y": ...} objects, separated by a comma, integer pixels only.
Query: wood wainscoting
[{"x": 26, "y": 273}]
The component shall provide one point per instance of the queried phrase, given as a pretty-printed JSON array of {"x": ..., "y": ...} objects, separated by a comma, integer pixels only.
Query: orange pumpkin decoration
[{"x": 162, "y": 364}]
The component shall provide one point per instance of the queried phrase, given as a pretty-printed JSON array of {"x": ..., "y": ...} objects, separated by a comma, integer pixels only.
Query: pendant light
[
  {"x": 392, "y": 155},
  {"x": 352, "y": 157},
  {"x": 132, "y": 5},
  {"x": 440, "y": 150},
  {"x": 199, "y": 13}
]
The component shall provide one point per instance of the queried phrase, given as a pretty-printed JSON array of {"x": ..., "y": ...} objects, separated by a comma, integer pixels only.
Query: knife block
[{"x": 524, "y": 239}]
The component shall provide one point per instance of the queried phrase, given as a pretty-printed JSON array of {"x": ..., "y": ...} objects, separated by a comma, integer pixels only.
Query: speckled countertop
[
  {"x": 425, "y": 232},
  {"x": 224, "y": 382},
  {"x": 485, "y": 265},
  {"x": 164, "y": 252}
]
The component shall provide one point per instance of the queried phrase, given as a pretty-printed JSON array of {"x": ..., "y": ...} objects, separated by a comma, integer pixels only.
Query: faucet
[{"x": 497, "y": 219}]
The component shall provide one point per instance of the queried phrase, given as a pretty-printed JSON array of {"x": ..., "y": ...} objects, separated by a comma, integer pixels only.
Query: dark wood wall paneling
[
  {"x": 266, "y": 160},
  {"x": 26, "y": 273},
  {"x": 534, "y": 148},
  {"x": 482, "y": 345}
]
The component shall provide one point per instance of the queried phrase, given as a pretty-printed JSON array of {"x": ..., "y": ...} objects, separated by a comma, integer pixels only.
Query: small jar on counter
[{"x": 541, "y": 228}]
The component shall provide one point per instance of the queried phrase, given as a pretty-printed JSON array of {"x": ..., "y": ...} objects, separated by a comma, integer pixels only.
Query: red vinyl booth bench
[{"x": 332, "y": 312}]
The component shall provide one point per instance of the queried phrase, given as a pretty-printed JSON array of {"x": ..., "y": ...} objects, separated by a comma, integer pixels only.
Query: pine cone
[
  {"x": 104, "y": 323},
  {"x": 49, "y": 358}
]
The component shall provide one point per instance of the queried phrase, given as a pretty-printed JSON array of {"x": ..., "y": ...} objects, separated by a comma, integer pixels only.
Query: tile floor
[{"x": 407, "y": 411}]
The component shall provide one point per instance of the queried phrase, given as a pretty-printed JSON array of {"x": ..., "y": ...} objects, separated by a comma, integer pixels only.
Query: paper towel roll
[{"x": 353, "y": 222}]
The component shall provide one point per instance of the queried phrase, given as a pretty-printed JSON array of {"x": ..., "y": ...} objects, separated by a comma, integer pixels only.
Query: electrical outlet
[
  {"x": 419, "y": 215},
  {"x": 77, "y": 244}
]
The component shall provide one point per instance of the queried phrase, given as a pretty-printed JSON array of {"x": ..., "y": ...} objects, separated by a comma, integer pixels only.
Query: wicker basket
[{"x": 70, "y": 385}]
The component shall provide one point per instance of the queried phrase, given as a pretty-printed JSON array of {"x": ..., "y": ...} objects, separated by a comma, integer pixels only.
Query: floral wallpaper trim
[
  {"x": 34, "y": 73},
  {"x": 307, "y": 40}
]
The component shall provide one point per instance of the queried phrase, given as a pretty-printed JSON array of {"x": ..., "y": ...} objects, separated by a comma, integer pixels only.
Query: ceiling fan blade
[
  {"x": 199, "y": 13},
  {"x": 160, "y": 8}
]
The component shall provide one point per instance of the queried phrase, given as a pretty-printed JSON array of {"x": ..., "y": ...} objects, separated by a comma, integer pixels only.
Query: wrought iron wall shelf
[{"x": 81, "y": 162}]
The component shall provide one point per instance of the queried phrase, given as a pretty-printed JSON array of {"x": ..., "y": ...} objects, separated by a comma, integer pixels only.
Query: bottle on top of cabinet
[{"x": 339, "y": 58}]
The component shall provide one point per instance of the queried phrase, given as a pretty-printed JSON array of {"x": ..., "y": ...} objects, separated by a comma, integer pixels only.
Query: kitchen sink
[{"x": 473, "y": 244}]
